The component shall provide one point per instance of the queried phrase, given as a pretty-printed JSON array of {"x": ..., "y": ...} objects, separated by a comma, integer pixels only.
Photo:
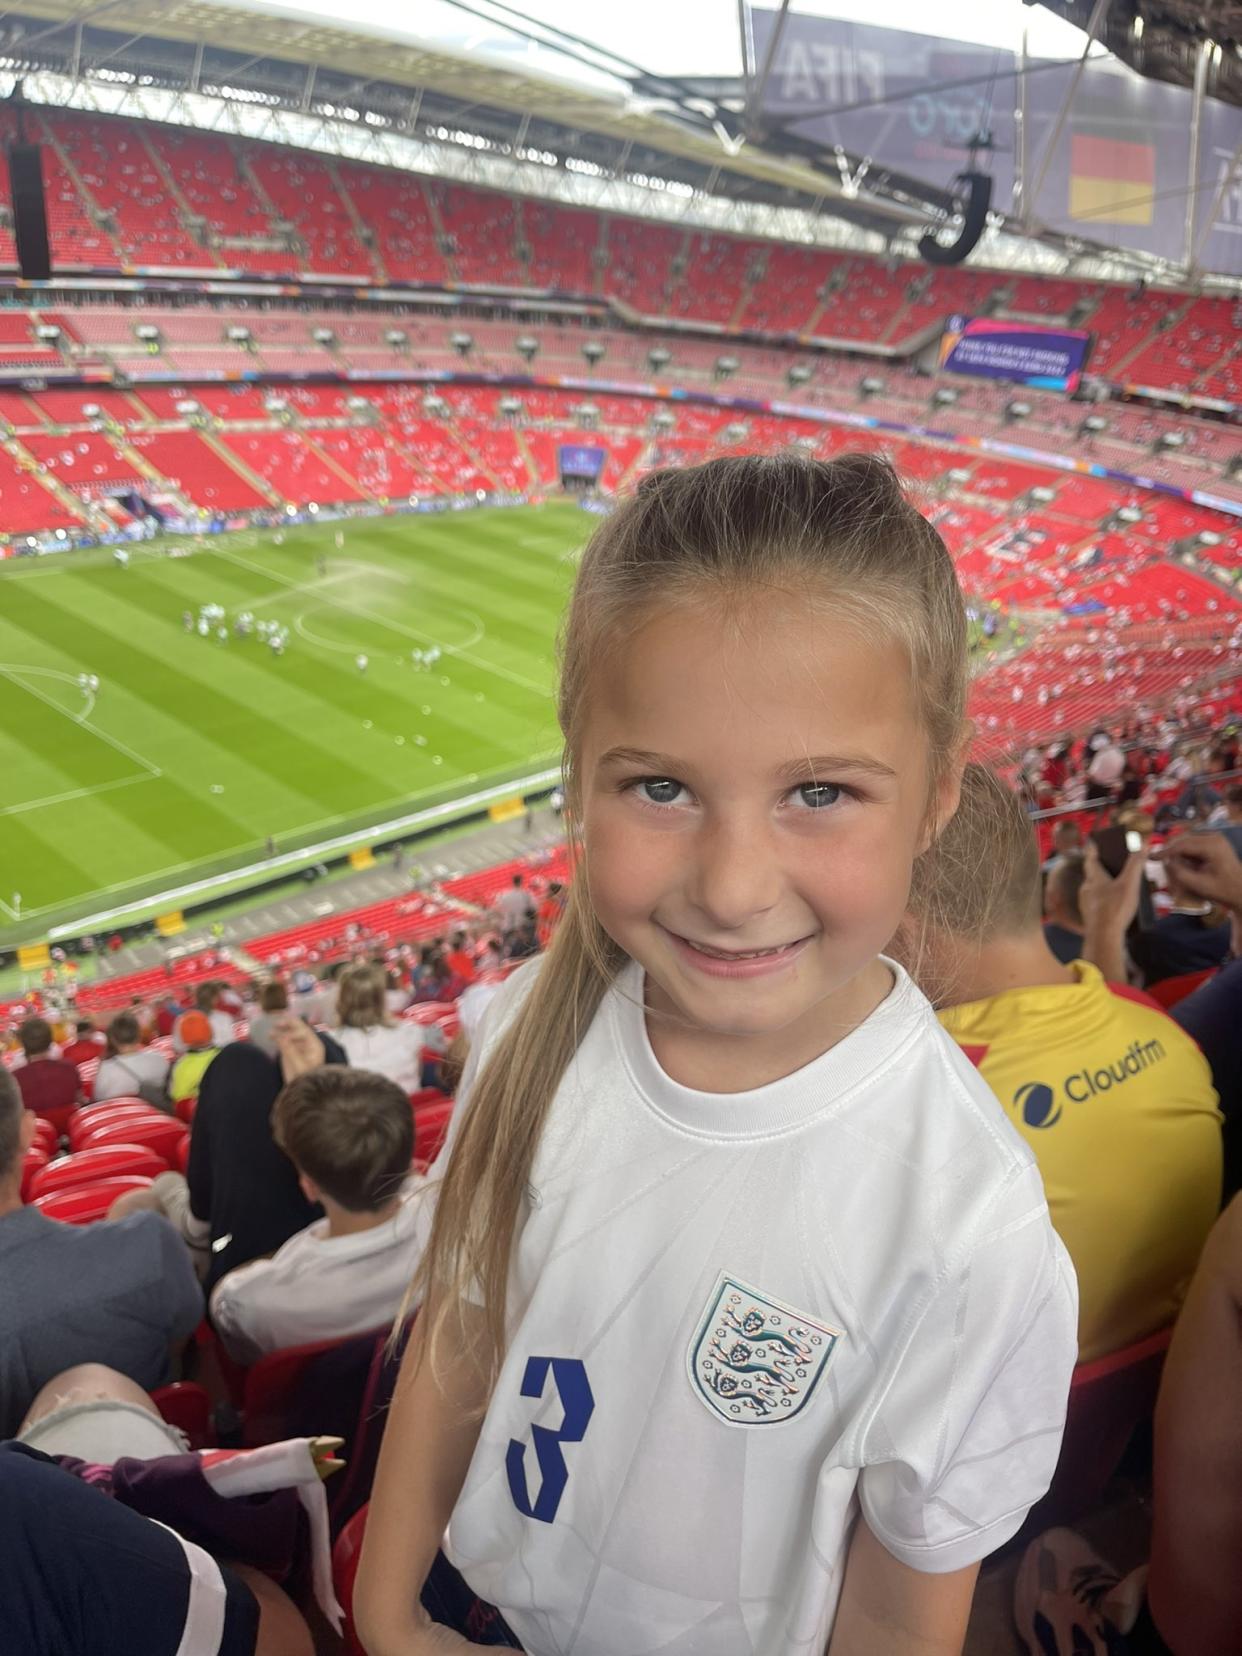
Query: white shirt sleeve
[
  {"x": 237, "y": 1310},
  {"x": 966, "y": 1435}
]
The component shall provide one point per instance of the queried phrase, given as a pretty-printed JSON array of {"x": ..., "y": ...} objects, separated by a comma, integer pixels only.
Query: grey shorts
[{"x": 104, "y": 1430}]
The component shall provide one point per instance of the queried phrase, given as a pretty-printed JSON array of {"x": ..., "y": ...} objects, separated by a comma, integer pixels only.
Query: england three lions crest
[{"x": 754, "y": 1360}]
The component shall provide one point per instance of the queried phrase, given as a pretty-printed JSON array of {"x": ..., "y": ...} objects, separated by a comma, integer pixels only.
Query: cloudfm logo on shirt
[{"x": 1039, "y": 1105}]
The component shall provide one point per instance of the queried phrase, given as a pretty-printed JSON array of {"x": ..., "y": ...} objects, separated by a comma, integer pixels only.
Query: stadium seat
[
  {"x": 1109, "y": 1398},
  {"x": 162, "y": 1134},
  {"x": 33, "y": 1163},
  {"x": 1174, "y": 989},
  {"x": 337, "y": 1388},
  {"x": 45, "y": 1135},
  {"x": 92, "y": 1117},
  {"x": 103, "y": 1161},
  {"x": 186, "y": 1405},
  {"x": 84, "y": 1204},
  {"x": 432, "y": 1114},
  {"x": 346, "y": 1556}
]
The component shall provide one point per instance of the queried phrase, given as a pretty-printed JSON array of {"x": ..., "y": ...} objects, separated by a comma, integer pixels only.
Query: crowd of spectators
[{"x": 298, "y": 1217}]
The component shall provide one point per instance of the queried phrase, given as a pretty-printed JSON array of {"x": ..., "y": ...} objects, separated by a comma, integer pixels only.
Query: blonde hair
[
  {"x": 839, "y": 529},
  {"x": 984, "y": 880},
  {"x": 360, "y": 1002}
]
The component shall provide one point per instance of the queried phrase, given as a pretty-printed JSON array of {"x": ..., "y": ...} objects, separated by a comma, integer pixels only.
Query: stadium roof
[{"x": 558, "y": 100}]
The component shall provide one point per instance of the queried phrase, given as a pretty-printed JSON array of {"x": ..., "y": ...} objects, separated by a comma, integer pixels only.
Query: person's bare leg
[
  {"x": 1194, "y": 1589},
  {"x": 282, "y": 1630},
  {"x": 86, "y": 1383}
]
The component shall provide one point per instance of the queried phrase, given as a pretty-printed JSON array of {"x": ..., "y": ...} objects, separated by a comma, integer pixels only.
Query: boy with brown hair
[{"x": 350, "y": 1136}]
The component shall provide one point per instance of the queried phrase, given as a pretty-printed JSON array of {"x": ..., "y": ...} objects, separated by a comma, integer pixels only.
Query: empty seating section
[
  {"x": 83, "y": 461},
  {"x": 66, "y": 406},
  {"x": 189, "y": 464},
  {"x": 640, "y": 263},
  {"x": 562, "y": 243},
  {"x": 1122, "y": 321},
  {"x": 482, "y": 232},
  {"x": 371, "y": 457},
  {"x": 394, "y": 207},
  {"x": 1191, "y": 353},
  {"x": 717, "y": 273},
  {"x": 303, "y": 192},
  {"x": 26, "y": 507},
  {"x": 121, "y": 177},
  {"x": 19, "y": 411},
  {"x": 285, "y": 461},
  {"x": 408, "y": 918},
  {"x": 215, "y": 187}
]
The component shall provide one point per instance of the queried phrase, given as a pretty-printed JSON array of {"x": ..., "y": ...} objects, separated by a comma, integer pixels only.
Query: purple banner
[
  {"x": 1050, "y": 358},
  {"x": 907, "y": 101}
]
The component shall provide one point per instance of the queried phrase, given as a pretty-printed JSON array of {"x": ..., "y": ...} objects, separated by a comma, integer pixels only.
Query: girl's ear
[{"x": 942, "y": 806}]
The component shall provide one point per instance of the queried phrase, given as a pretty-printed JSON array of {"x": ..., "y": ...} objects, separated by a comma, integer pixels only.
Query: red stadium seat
[
  {"x": 33, "y": 1163},
  {"x": 1109, "y": 1397},
  {"x": 181, "y": 1156},
  {"x": 186, "y": 1405},
  {"x": 432, "y": 1115},
  {"x": 84, "y": 1204},
  {"x": 45, "y": 1135},
  {"x": 161, "y": 1133},
  {"x": 90, "y": 1119},
  {"x": 184, "y": 1109},
  {"x": 346, "y": 1555},
  {"x": 1176, "y": 989},
  {"x": 97, "y": 1162}
]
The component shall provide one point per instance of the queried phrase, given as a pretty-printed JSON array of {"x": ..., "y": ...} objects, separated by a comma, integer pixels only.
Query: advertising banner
[{"x": 1050, "y": 358}]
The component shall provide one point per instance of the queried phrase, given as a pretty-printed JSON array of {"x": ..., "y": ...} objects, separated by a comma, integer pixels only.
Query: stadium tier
[{"x": 131, "y": 195}]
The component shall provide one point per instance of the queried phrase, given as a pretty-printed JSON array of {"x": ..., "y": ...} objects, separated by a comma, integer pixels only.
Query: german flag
[{"x": 1112, "y": 180}]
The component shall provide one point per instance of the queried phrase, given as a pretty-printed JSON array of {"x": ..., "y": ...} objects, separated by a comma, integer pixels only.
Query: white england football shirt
[{"x": 735, "y": 1319}]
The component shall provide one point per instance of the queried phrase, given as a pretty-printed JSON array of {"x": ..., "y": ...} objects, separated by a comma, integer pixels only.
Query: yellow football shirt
[{"x": 1117, "y": 1103}]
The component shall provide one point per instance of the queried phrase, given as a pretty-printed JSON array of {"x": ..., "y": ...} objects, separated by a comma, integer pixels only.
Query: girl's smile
[{"x": 755, "y": 782}]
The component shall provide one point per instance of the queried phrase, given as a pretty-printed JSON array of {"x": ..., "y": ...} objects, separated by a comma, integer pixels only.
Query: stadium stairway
[
  {"x": 78, "y": 508},
  {"x": 184, "y": 209},
  {"x": 1170, "y": 319},
  {"x": 366, "y": 236},
  {"x": 443, "y": 239},
  {"x": 93, "y": 210},
  {"x": 335, "y": 466},
  {"x": 255, "y": 479}
]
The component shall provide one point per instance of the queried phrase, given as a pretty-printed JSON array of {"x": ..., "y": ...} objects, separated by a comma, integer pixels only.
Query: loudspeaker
[
  {"x": 29, "y": 212},
  {"x": 972, "y": 196}
]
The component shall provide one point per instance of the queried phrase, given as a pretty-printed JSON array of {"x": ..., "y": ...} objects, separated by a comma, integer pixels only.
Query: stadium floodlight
[
  {"x": 871, "y": 386},
  {"x": 323, "y": 336},
  {"x": 397, "y": 337},
  {"x": 799, "y": 373},
  {"x": 526, "y": 345},
  {"x": 593, "y": 351},
  {"x": 510, "y": 405},
  {"x": 1095, "y": 422},
  {"x": 47, "y": 331},
  {"x": 944, "y": 395},
  {"x": 659, "y": 356},
  {"x": 147, "y": 332}
]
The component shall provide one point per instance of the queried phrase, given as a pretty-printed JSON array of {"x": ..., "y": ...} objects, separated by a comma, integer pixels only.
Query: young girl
[{"x": 744, "y": 1328}]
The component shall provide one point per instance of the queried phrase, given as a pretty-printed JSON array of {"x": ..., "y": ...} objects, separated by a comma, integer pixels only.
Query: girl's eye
[
  {"x": 658, "y": 790},
  {"x": 817, "y": 796}
]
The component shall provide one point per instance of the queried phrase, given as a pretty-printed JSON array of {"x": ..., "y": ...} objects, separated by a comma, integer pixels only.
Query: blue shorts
[
  {"x": 451, "y": 1603},
  {"x": 80, "y": 1572}
]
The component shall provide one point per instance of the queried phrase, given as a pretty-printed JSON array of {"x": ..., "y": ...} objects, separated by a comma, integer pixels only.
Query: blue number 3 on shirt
[{"x": 578, "y": 1406}]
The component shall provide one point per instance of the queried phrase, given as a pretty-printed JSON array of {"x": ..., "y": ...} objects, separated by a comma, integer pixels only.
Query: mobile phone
[{"x": 1114, "y": 847}]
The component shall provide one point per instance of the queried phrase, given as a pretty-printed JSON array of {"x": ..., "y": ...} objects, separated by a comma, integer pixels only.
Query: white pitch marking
[
  {"x": 407, "y": 632},
  {"x": 73, "y": 793},
  {"x": 78, "y": 718}
]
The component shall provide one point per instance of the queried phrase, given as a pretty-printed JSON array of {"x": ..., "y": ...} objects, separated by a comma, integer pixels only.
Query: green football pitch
[{"x": 193, "y": 751}]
